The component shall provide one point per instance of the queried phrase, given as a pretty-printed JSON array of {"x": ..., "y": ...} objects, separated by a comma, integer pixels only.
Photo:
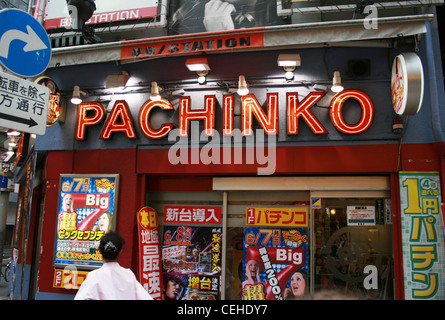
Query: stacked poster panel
[
  {"x": 275, "y": 265},
  {"x": 191, "y": 253},
  {"x": 86, "y": 211},
  {"x": 422, "y": 235}
]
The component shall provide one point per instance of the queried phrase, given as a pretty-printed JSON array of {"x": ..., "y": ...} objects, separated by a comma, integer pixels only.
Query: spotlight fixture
[
  {"x": 336, "y": 82},
  {"x": 155, "y": 91},
  {"x": 117, "y": 80},
  {"x": 289, "y": 62},
  {"x": 12, "y": 142},
  {"x": 76, "y": 98},
  {"x": 197, "y": 64},
  {"x": 202, "y": 77},
  {"x": 201, "y": 66},
  {"x": 13, "y": 133},
  {"x": 242, "y": 86}
]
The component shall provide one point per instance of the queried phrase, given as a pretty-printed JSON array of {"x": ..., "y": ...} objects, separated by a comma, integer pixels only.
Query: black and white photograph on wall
[{"x": 192, "y": 16}]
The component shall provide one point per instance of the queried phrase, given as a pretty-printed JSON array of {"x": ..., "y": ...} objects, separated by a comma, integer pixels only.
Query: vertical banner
[
  {"x": 86, "y": 211},
  {"x": 149, "y": 252},
  {"x": 422, "y": 235},
  {"x": 191, "y": 263},
  {"x": 275, "y": 262}
]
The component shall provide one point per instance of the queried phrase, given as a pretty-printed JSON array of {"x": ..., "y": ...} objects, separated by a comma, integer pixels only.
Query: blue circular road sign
[{"x": 25, "y": 48}]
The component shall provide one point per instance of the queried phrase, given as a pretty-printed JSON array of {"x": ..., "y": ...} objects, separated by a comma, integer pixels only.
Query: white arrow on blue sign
[{"x": 25, "y": 48}]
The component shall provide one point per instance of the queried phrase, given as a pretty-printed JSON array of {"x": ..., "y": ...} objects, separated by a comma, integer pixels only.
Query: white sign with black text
[{"x": 23, "y": 104}]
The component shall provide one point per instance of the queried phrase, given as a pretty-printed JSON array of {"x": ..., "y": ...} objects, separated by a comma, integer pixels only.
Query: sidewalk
[{"x": 3, "y": 290}]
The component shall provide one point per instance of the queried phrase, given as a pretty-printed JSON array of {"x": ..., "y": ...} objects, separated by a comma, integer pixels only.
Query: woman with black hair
[{"x": 111, "y": 281}]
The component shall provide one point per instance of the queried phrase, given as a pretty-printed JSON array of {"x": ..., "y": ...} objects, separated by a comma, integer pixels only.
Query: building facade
[{"x": 229, "y": 196}]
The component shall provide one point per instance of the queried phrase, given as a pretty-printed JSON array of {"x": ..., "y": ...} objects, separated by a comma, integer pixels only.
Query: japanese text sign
[
  {"x": 86, "y": 212},
  {"x": 68, "y": 278},
  {"x": 149, "y": 252},
  {"x": 422, "y": 235},
  {"x": 274, "y": 261},
  {"x": 192, "y": 214},
  {"x": 23, "y": 104},
  {"x": 361, "y": 215},
  {"x": 285, "y": 217},
  {"x": 191, "y": 258}
]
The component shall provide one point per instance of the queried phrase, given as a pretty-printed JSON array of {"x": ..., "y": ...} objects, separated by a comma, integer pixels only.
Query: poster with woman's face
[
  {"x": 191, "y": 16},
  {"x": 275, "y": 263},
  {"x": 86, "y": 212}
]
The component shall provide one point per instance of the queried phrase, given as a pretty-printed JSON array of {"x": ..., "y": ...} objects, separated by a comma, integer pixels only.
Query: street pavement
[{"x": 4, "y": 290}]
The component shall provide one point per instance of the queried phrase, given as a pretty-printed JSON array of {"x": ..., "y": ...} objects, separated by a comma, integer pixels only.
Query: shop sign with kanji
[
  {"x": 192, "y": 214},
  {"x": 23, "y": 104},
  {"x": 284, "y": 217}
]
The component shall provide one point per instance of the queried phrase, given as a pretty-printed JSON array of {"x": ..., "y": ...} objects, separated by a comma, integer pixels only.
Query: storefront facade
[{"x": 252, "y": 194}]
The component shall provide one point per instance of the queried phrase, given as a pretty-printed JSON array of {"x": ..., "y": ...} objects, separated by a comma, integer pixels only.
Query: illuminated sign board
[
  {"x": 119, "y": 119},
  {"x": 56, "y": 14},
  {"x": 407, "y": 84}
]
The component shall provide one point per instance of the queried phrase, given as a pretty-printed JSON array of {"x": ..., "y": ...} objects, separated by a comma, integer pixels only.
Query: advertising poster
[
  {"x": 275, "y": 264},
  {"x": 86, "y": 211},
  {"x": 219, "y": 15},
  {"x": 149, "y": 251},
  {"x": 422, "y": 236},
  {"x": 57, "y": 16},
  {"x": 191, "y": 262}
]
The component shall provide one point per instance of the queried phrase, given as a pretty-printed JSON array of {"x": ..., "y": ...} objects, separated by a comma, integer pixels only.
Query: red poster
[
  {"x": 149, "y": 252},
  {"x": 192, "y": 214}
]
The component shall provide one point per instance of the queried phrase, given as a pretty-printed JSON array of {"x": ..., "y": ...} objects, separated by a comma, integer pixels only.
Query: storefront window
[
  {"x": 237, "y": 265},
  {"x": 353, "y": 248},
  {"x": 345, "y": 246}
]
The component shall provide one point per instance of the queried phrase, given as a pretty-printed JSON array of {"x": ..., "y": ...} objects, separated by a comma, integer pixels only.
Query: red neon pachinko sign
[
  {"x": 149, "y": 252},
  {"x": 119, "y": 119}
]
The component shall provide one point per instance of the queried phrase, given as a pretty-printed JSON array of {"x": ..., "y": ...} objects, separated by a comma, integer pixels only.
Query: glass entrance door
[{"x": 352, "y": 251}]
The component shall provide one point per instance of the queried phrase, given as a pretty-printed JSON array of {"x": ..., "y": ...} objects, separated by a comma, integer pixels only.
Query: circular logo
[{"x": 407, "y": 84}]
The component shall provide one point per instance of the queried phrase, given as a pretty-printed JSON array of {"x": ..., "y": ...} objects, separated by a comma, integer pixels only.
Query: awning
[{"x": 331, "y": 33}]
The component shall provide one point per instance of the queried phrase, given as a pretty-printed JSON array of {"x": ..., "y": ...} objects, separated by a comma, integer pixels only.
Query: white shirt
[{"x": 112, "y": 282}]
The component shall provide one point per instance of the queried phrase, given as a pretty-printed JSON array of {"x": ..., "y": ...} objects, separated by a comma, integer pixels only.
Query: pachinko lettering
[
  {"x": 286, "y": 217},
  {"x": 423, "y": 247},
  {"x": 119, "y": 119},
  {"x": 86, "y": 212}
]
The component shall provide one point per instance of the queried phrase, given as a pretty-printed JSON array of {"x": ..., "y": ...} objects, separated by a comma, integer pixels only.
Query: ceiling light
[
  {"x": 117, "y": 80},
  {"x": 242, "y": 86},
  {"x": 201, "y": 66},
  {"x": 289, "y": 75},
  {"x": 202, "y": 79},
  {"x": 155, "y": 91},
  {"x": 13, "y": 133},
  {"x": 197, "y": 64},
  {"x": 76, "y": 99},
  {"x": 289, "y": 60},
  {"x": 336, "y": 82}
]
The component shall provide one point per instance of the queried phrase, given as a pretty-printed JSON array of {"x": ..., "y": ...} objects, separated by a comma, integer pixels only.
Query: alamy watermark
[
  {"x": 237, "y": 149},
  {"x": 370, "y": 21}
]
